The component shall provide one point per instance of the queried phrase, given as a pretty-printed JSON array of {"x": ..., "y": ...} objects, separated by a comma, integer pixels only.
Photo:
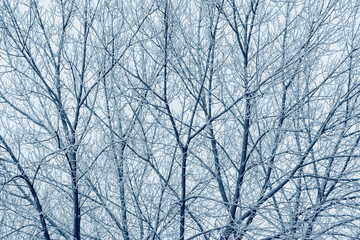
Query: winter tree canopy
[{"x": 179, "y": 119}]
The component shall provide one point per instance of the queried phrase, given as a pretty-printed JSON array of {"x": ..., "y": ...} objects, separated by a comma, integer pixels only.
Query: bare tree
[{"x": 165, "y": 119}]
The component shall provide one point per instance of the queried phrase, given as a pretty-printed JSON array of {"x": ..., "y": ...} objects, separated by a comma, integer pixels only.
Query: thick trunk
[
  {"x": 183, "y": 194},
  {"x": 120, "y": 170},
  {"x": 229, "y": 229},
  {"x": 75, "y": 193}
]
